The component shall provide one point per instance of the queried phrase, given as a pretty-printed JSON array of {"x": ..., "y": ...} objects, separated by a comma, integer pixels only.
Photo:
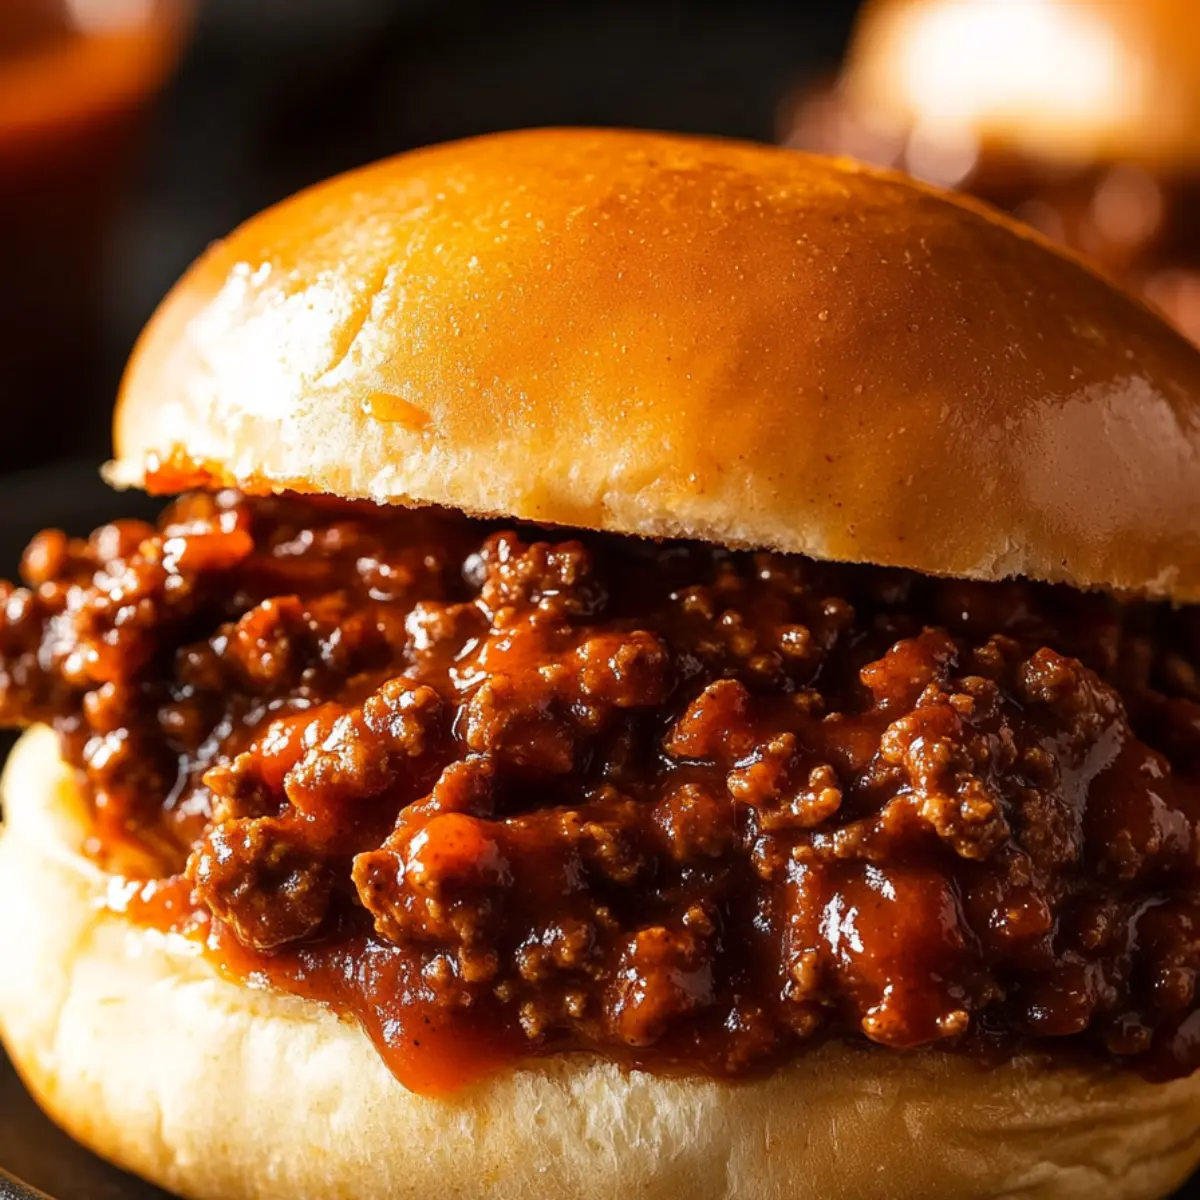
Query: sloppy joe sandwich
[
  {"x": 668, "y": 667},
  {"x": 1082, "y": 116}
]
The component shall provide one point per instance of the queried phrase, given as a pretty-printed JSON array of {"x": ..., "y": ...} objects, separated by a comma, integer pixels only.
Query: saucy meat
[{"x": 499, "y": 792}]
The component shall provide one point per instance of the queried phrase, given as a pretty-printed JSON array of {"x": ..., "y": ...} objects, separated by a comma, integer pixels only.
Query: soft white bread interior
[{"x": 138, "y": 1047}]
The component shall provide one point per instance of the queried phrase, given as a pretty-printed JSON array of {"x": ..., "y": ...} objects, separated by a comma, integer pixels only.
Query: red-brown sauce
[{"x": 501, "y": 793}]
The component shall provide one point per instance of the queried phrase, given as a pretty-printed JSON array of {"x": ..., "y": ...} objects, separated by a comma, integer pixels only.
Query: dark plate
[{"x": 31, "y": 1148}]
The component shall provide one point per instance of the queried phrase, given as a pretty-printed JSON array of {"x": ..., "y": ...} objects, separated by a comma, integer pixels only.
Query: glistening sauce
[{"x": 500, "y": 794}]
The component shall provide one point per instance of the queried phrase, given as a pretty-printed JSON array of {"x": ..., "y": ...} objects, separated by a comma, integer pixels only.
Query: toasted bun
[
  {"x": 137, "y": 1047},
  {"x": 669, "y": 336},
  {"x": 1060, "y": 79}
]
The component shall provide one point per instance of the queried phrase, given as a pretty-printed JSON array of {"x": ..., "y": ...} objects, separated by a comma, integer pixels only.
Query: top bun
[
  {"x": 679, "y": 337},
  {"x": 1114, "y": 80}
]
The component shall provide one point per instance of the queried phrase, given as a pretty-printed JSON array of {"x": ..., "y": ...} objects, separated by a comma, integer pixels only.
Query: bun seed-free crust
[
  {"x": 670, "y": 336},
  {"x": 135, "y": 1044}
]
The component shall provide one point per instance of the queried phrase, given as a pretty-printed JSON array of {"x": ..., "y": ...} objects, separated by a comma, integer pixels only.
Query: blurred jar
[
  {"x": 1082, "y": 117},
  {"x": 76, "y": 81}
]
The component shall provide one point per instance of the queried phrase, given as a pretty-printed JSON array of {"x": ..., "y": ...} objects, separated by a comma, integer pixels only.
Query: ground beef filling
[{"x": 498, "y": 793}]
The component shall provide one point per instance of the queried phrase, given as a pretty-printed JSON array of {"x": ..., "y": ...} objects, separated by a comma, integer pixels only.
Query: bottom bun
[{"x": 132, "y": 1042}]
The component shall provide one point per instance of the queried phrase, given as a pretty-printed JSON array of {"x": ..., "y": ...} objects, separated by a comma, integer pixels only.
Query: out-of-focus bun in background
[
  {"x": 1062, "y": 81},
  {"x": 1080, "y": 116}
]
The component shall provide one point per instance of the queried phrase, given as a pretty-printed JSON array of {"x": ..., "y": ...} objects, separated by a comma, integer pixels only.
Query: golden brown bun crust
[
  {"x": 1115, "y": 80},
  {"x": 221, "y": 1092},
  {"x": 673, "y": 336}
]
